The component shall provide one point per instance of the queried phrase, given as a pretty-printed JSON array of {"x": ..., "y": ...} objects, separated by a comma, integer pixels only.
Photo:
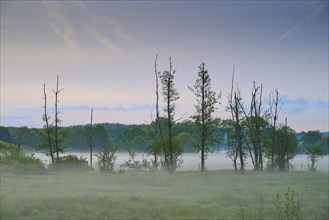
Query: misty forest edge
[{"x": 253, "y": 131}]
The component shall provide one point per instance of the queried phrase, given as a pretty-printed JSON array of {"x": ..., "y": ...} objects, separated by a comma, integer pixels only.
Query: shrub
[
  {"x": 314, "y": 154},
  {"x": 106, "y": 158},
  {"x": 14, "y": 160},
  {"x": 70, "y": 162},
  {"x": 133, "y": 164},
  {"x": 290, "y": 207}
]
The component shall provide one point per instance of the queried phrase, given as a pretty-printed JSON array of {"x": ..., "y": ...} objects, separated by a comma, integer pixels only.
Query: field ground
[{"x": 150, "y": 195}]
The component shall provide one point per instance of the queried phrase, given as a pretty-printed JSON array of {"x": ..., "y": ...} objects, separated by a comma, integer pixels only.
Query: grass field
[{"x": 149, "y": 195}]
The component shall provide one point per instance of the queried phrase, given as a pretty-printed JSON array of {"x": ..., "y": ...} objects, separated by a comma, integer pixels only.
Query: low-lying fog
[{"x": 191, "y": 161}]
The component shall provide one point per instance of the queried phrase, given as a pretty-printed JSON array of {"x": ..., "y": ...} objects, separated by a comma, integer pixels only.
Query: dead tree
[
  {"x": 57, "y": 120},
  {"x": 254, "y": 123},
  {"x": 274, "y": 102},
  {"x": 235, "y": 106},
  {"x": 157, "y": 119},
  {"x": 46, "y": 120}
]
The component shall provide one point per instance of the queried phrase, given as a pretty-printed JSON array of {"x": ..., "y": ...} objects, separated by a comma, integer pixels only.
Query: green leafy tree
[
  {"x": 20, "y": 136},
  {"x": 314, "y": 154},
  {"x": 100, "y": 136},
  {"x": 324, "y": 143},
  {"x": 311, "y": 137},
  {"x": 231, "y": 146},
  {"x": 5, "y": 134},
  {"x": 133, "y": 137},
  {"x": 155, "y": 148},
  {"x": 170, "y": 95},
  {"x": 76, "y": 138},
  {"x": 286, "y": 147},
  {"x": 204, "y": 120}
]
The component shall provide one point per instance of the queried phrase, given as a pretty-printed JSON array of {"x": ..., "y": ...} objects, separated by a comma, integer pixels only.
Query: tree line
[{"x": 253, "y": 131}]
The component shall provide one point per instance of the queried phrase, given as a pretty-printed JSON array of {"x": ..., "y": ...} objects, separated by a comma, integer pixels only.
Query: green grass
[{"x": 148, "y": 195}]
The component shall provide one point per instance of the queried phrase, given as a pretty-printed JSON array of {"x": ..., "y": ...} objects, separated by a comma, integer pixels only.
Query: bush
[
  {"x": 70, "y": 162},
  {"x": 132, "y": 164},
  {"x": 14, "y": 160},
  {"x": 289, "y": 207},
  {"x": 106, "y": 159}
]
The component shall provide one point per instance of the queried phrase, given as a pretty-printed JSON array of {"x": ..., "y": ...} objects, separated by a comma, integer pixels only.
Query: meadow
[{"x": 158, "y": 195}]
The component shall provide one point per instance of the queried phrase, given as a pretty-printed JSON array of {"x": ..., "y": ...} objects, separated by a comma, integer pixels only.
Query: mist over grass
[{"x": 158, "y": 195}]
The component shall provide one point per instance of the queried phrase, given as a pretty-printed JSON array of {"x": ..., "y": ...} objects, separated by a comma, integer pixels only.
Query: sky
[{"x": 104, "y": 53}]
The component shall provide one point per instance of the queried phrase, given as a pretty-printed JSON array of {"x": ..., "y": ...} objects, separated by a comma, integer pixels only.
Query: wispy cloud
[
  {"x": 314, "y": 13},
  {"x": 87, "y": 107},
  {"x": 16, "y": 120},
  {"x": 125, "y": 108},
  {"x": 283, "y": 36},
  {"x": 102, "y": 39},
  {"x": 60, "y": 25},
  {"x": 110, "y": 24},
  {"x": 303, "y": 104},
  {"x": 107, "y": 108}
]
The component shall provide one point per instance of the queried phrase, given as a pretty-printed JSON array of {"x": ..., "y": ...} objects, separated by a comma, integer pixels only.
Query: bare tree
[
  {"x": 255, "y": 123},
  {"x": 170, "y": 95},
  {"x": 203, "y": 118},
  {"x": 157, "y": 120},
  {"x": 235, "y": 107},
  {"x": 46, "y": 118},
  {"x": 274, "y": 102},
  {"x": 57, "y": 120}
]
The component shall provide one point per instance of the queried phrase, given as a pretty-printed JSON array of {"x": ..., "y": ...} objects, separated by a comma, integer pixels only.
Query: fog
[
  {"x": 191, "y": 161},
  {"x": 218, "y": 193}
]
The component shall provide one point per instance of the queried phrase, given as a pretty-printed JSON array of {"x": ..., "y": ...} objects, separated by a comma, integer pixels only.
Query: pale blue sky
[{"x": 104, "y": 53}]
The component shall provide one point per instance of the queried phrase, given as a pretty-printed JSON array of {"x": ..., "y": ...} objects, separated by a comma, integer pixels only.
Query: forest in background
[{"x": 137, "y": 137}]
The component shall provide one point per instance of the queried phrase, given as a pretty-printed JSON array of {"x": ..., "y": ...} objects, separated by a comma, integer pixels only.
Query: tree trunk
[
  {"x": 47, "y": 125},
  {"x": 57, "y": 121},
  {"x": 91, "y": 138}
]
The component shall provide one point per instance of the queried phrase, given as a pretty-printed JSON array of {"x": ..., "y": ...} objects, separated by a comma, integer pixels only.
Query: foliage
[
  {"x": 70, "y": 162},
  {"x": 170, "y": 95},
  {"x": 314, "y": 154},
  {"x": 187, "y": 142},
  {"x": 78, "y": 137},
  {"x": 285, "y": 148},
  {"x": 289, "y": 207},
  {"x": 62, "y": 137},
  {"x": 133, "y": 164},
  {"x": 5, "y": 134},
  {"x": 13, "y": 159},
  {"x": 177, "y": 152},
  {"x": 231, "y": 143},
  {"x": 133, "y": 137},
  {"x": 155, "y": 149},
  {"x": 106, "y": 158},
  {"x": 256, "y": 138},
  {"x": 203, "y": 118},
  {"x": 312, "y": 138},
  {"x": 4, "y": 146}
]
